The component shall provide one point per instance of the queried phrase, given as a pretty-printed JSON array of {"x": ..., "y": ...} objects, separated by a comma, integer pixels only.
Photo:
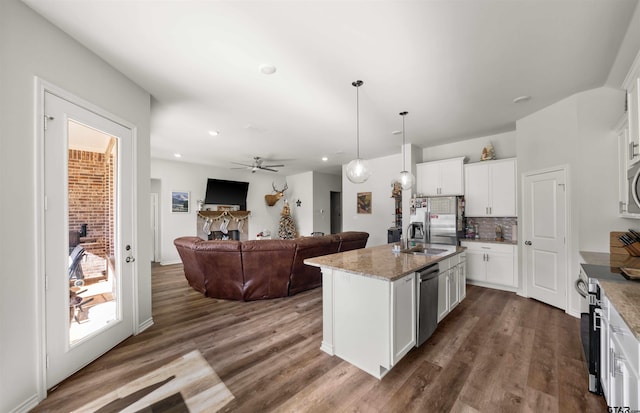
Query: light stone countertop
[
  {"x": 381, "y": 262},
  {"x": 625, "y": 297},
  {"x": 623, "y": 294},
  {"x": 489, "y": 240}
]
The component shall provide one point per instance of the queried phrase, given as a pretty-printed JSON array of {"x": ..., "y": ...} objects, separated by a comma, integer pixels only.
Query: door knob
[{"x": 527, "y": 243}]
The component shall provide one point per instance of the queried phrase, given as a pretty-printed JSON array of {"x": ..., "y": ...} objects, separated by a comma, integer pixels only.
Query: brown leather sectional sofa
[{"x": 259, "y": 269}]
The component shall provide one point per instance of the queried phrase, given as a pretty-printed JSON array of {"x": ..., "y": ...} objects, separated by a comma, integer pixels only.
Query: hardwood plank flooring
[{"x": 496, "y": 352}]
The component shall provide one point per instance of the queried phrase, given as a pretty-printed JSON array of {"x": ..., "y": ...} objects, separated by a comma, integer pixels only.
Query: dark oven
[{"x": 590, "y": 328}]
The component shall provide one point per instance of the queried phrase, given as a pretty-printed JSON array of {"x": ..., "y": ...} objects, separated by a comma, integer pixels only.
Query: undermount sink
[{"x": 420, "y": 250}]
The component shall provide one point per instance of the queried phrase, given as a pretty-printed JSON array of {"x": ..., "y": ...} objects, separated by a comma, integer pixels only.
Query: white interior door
[
  {"x": 544, "y": 232},
  {"x": 89, "y": 306},
  {"x": 155, "y": 227}
]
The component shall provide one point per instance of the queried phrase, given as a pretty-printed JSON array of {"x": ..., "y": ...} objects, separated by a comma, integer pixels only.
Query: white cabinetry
[
  {"x": 404, "y": 316},
  {"x": 619, "y": 359},
  {"x": 451, "y": 284},
  {"x": 632, "y": 84},
  {"x": 439, "y": 178},
  {"x": 622, "y": 132},
  {"x": 493, "y": 265},
  {"x": 490, "y": 188},
  {"x": 374, "y": 322},
  {"x": 628, "y": 132}
]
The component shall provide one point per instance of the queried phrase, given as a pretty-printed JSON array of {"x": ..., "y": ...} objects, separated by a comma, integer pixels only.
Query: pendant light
[
  {"x": 358, "y": 170},
  {"x": 406, "y": 178}
]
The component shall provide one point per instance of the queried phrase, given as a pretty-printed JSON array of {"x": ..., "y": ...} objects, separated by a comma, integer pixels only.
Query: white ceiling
[{"x": 455, "y": 65}]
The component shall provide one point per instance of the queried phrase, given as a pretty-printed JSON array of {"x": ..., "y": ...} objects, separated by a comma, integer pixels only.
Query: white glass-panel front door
[{"x": 88, "y": 236}]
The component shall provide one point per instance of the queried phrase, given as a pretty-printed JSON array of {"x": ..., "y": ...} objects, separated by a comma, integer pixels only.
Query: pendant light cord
[
  {"x": 357, "y": 85},
  {"x": 403, "y": 114},
  {"x": 357, "y": 122}
]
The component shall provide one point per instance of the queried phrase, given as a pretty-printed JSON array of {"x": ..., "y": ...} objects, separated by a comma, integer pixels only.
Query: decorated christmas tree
[{"x": 287, "y": 226}]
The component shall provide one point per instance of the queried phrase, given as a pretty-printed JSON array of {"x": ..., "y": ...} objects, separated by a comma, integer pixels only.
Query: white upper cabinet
[
  {"x": 633, "y": 111},
  {"x": 623, "y": 156},
  {"x": 490, "y": 188},
  {"x": 440, "y": 178}
]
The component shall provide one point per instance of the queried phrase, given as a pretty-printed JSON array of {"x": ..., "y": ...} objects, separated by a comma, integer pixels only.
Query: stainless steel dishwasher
[{"x": 427, "y": 317}]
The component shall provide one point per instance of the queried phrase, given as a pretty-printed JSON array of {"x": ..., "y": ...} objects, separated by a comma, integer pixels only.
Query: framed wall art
[
  {"x": 364, "y": 202},
  {"x": 179, "y": 201}
]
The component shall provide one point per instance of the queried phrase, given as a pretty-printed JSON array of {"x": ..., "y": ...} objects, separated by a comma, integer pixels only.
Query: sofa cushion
[
  {"x": 305, "y": 277},
  {"x": 351, "y": 240},
  {"x": 267, "y": 266}
]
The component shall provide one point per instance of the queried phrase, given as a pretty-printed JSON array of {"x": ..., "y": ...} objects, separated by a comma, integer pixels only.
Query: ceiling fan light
[{"x": 358, "y": 171}]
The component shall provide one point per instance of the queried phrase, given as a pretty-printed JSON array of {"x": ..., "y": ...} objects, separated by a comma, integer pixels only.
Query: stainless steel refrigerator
[{"x": 443, "y": 219}]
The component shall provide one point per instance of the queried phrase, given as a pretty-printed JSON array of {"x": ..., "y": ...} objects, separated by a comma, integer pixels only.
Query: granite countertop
[
  {"x": 489, "y": 240},
  {"x": 626, "y": 299},
  {"x": 381, "y": 262},
  {"x": 623, "y": 294}
]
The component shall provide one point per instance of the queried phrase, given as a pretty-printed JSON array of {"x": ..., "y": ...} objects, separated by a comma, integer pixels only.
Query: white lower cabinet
[
  {"x": 403, "y": 316},
  {"x": 451, "y": 284},
  {"x": 619, "y": 360},
  {"x": 491, "y": 264},
  {"x": 373, "y": 320}
]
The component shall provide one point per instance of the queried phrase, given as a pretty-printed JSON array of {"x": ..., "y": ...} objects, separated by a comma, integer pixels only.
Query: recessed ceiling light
[
  {"x": 177, "y": 155},
  {"x": 325, "y": 159},
  {"x": 396, "y": 132},
  {"x": 267, "y": 69},
  {"x": 521, "y": 99},
  {"x": 214, "y": 132}
]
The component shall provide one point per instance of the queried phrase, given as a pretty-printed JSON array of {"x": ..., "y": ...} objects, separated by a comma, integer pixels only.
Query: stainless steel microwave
[{"x": 633, "y": 189}]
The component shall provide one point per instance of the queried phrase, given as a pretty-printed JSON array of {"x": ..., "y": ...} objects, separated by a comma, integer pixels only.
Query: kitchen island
[{"x": 369, "y": 301}]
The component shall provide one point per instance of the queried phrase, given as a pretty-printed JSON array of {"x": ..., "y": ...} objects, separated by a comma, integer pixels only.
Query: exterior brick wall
[{"x": 90, "y": 202}]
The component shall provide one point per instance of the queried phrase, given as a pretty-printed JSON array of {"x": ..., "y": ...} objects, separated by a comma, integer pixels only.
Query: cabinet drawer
[
  {"x": 488, "y": 246},
  {"x": 620, "y": 332},
  {"x": 445, "y": 264}
]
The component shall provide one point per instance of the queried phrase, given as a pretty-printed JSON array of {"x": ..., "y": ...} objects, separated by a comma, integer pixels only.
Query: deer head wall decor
[{"x": 273, "y": 198}]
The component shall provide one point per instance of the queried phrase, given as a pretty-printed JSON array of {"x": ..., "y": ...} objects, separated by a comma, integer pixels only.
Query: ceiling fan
[{"x": 258, "y": 163}]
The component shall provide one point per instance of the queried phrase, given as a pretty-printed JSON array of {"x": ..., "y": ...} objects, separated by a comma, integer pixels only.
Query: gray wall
[
  {"x": 377, "y": 223},
  {"x": 579, "y": 132},
  {"x": 29, "y": 47}
]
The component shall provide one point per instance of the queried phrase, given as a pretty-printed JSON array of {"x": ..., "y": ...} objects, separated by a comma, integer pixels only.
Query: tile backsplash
[{"x": 487, "y": 226}]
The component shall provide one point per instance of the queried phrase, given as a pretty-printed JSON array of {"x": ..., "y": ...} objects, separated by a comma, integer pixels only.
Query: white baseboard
[
  {"x": 327, "y": 348},
  {"x": 494, "y": 286},
  {"x": 170, "y": 262},
  {"x": 27, "y": 405},
  {"x": 144, "y": 325}
]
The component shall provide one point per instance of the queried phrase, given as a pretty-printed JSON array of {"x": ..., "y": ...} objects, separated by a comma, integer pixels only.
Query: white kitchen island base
[
  {"x": 369, "y": 304},
  {"x": 368, "y": 322}
]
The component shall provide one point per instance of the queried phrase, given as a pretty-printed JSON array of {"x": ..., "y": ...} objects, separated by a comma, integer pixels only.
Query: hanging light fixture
[
  {"x": 358, "y": 170},
  {"x": 406, "y": 178}
]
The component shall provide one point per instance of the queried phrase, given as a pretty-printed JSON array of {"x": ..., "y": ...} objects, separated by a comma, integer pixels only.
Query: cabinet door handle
[
  {"x": 527, "y": 243},
  {"x": 612, "y": 357},
  {"x": 622, "y": 207},
  {"x": 597, "y": 316},
  {"x": 632, "y": 150}
]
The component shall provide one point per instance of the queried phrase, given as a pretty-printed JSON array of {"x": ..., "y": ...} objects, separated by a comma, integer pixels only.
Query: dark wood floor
[{"x": 496, "y": 352}]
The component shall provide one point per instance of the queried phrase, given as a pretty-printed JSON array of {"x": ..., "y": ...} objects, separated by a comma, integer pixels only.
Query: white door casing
[
  {"x": 62, "y": 358},
  {"x": 544, "y": 231}
]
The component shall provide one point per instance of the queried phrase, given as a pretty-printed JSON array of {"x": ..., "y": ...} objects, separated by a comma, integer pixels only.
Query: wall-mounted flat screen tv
[{"x": 221, "y": 192}]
